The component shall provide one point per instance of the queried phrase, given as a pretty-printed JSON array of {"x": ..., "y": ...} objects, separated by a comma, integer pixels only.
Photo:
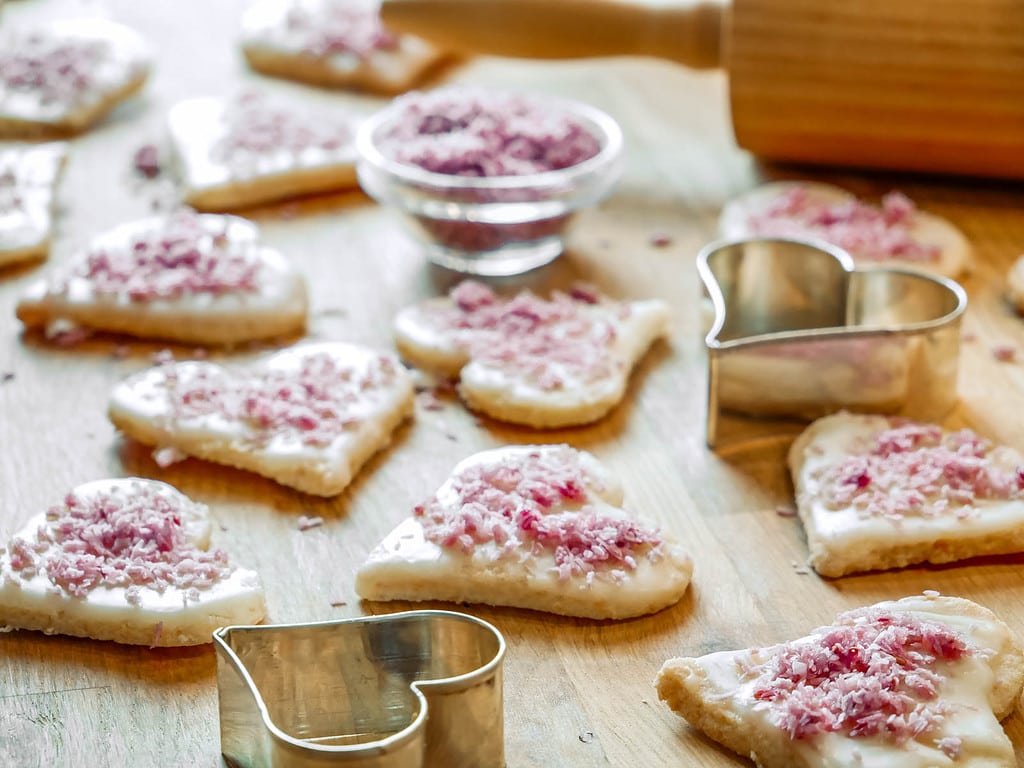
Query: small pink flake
[
  {"x": 338, "y": 602},
  {"x": 427, "y": 400},
  {"x": 158, "y": 632},
  {"x": 305, "y": 523},
  {"x": 1004, "y": 353},
  {"x": 968, "y": 337},
  {"x": 165, "y": 457},
  {"x": 660, "y": 240},
  {"x": 66, "y": 334},
  {"x": 785, "y": 510},
  {"x": 146, "y": 161}
]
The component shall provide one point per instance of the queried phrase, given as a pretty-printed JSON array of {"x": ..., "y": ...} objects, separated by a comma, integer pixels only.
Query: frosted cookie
[
  {"x": 195, "y": 278},
  {"x": 256, "y": 149},
  {"x": 920, "y": 682},
  {"x": 526, "y": 360},
  {"x": 28, "y": 179},
  {"x": 537, "y": 527},
  {"x": 61, "y": 78},
  {"x": 127, "y": 560},
  {"x": 875, "y": 492},
  {"x": 895, "y": 235},
  {"x": 308, "y": 417},
  {"x": 337, "y": 43}
]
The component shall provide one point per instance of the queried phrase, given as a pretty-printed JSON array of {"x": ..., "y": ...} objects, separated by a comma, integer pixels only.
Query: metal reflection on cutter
[
  {"x": 405, "y": 690},
  {"x": 799, "y": 333}
]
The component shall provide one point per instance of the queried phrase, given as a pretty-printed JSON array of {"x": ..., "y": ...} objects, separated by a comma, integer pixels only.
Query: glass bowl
[{"x": 491, "y": 225}]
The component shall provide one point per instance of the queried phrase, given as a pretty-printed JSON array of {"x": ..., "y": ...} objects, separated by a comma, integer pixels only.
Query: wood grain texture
[
  {"x": 578, "y": 693},
  {"x": 916, "y": 84}
]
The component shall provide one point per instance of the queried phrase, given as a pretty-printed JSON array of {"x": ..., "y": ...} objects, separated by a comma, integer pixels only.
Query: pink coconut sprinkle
[
  {"x": 54, "y": 68},
  {"x": 337, "y": 27},
  {"x": 314, "y": 403},
  {"x": 546, "y": 341},
  {"x": 305, "y": 523},
  {"x": 864, "y": 230},
  {"x": 468, "y": 132},
  {"x": 146, "y": 161},
  {"x": 871, "y": 674},
  {"x": 537, "y": 502},
  {"x": 180, "y": 257},
  {"x": 915, "y": 470},
  {"x": 260, "y": 126},
  {"x": 1004, "y": 353},
  {"x": 119, "y": 538}
]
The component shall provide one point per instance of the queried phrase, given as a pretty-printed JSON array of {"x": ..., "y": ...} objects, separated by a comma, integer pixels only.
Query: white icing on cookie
[
  {"x": 536, "y": 527},
  {"x": 254, "y": 149},
  {"x": 124, "y": 560},
  {"x": 28, "y": 178},
  {"x": 308, "y": 417}
]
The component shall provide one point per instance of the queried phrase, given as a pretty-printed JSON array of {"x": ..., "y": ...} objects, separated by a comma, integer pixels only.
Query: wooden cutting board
[{"x": 577, "y": 693}]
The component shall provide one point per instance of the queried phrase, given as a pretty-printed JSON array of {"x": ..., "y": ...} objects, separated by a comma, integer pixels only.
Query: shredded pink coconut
[
  {"x": 258, "y": 125},
  {"x": 339, "y": 26},
  {"x": 315, "y": 404},
  {"x": 466, "y": 132},
  {"x": 864, "y": 230},
  {"x": 119, "y": 538},
  {"x": 916, "y": 470},
  {"x": 548, "y": 342},
  {"x": 537, "y": 502},
  {"x": 306, "y": 522},
  {"x": 146, "y": 161},
  {"x": 54, "y": 68},
  {"x": 181, "y": 257},
  {"x": 871, "y": 674},
  {"x": 1004, "y": 353}
]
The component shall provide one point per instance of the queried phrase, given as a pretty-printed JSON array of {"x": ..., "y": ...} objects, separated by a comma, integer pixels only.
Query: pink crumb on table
[
  {"x": 866, "y": 231},
  {"x": 660, "y": 239},
  {"x": 872, "y": 674},
  {"x": 1004, "y": 353},
  {"x": 474, "y": 132},
  {"x": 336, "y": 27},
  {"x": 914, "y": 469},
  {"x": 146, "y": 161},
  {"x": 537, "y": 502},
  {"x": 307, "y": 522},
  {"x": 180, "y": 256},
  {"x": 119, "y": 539},
  {"x": 546, "y": 341}
]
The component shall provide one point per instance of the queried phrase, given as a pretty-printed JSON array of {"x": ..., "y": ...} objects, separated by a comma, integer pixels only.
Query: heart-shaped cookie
[
  {"x": 28, "y": 177},
  {"x": 875, "y": 492},
  {"x": 798, "y": 332},
  {"x": 308, "y": 417},
  {"x": 896, "y": 234},
  {"x": 917, "y": 683},
  {"x": 530, "y": 526},
  {"x": 126, "y": 560},
  {"x": 526, "y": 360},
  {"x": 339, "y": 43},
  {"x": 197, "y": 278},
  {"x": 61, "y": 78},
  {"x": 257, "y": 149}
]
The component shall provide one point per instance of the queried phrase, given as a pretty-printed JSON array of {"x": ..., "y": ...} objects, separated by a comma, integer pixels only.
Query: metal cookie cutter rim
[
  {"x": 378, "y": 750},
  {"x": 846, "y": 328}
]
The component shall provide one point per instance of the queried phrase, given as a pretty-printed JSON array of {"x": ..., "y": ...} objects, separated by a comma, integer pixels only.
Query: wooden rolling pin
[{"x": 920, "y": 85}]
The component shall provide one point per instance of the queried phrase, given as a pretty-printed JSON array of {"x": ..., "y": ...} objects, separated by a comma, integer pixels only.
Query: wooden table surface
[{"x": 577, "y": 693}]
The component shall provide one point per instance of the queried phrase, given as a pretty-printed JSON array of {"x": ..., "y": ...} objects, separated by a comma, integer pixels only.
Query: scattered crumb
[
  {"x": 1004, "y": 353},
  {"x": 163, "y": 357},
  {"x": 6, "y": 376},
  {"x": 146, "y": 161},
  {"x": 222, "y": 526},
  {"x": 305, "y": 523},
  {"x": 660, "y": 239},
  {"x": 337, "y": 603},
  {"x": 931, "y": 593},
  {"x": 785, "y": 510},
  {"x": 427, "y": 400},
  {"x": 968, "y": 337},
  {"x": 64, "y": 333},
  {"x": 586, "y": 737},
  {"x": 453, "y": 437},
  {"x": 166, "y": 456},
  {"x": 802, "y": 570},
  {"x": 158, "y": 632}
]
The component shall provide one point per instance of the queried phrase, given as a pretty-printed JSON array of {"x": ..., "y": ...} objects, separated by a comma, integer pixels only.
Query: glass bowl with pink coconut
[{"x": 489, "y": 179}]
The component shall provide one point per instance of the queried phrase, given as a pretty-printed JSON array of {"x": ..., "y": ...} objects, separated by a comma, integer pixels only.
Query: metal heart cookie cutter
[
  {"x": 798, "y": 333},
  {"x": 405, "y": 690}
]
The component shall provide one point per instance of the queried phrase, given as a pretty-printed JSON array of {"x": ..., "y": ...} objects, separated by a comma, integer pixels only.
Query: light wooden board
[{"x": 577, "y": 693}]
